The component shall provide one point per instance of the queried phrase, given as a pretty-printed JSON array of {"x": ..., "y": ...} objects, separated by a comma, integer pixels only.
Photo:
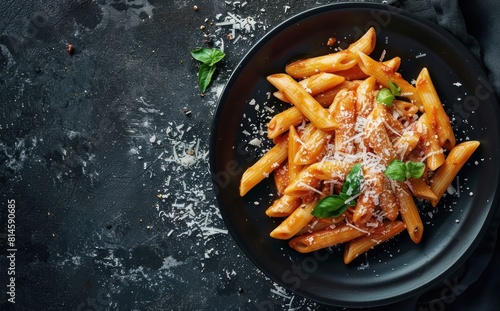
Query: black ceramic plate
[{"x": 399, "y": 269}]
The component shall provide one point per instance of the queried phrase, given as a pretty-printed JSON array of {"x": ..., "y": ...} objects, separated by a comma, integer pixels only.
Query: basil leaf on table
[
  {"x": 205, "y": 76},
  {"x": 208, "y": 57}
]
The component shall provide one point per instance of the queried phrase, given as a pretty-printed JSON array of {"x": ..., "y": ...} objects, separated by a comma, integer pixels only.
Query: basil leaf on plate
[
  {"x": 385, "y": 97},
  {"x": 334, "y": 205}
]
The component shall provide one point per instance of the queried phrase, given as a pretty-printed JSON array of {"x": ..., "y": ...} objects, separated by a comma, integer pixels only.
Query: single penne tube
[
  {"x": 321, "y": 82},
  {"x": 384, "y": 74},
  {"x": 388, "y": 202},
  {"x": 316, "y": 84},
  {"x": 325, "y": 238},
  {"x": 294, "y": 144},
  {"x": 326, "y": 98},
  {"x": 355, "y": 72},
  {"x": 363, "y": 211},
  {"x": 434, "y": 110},
  {"x": 325, "y": 63},
  {"x": 405, "y": 108},
  {"x": 447, "y": 172},
  {"x": 281, "y": 96},
  {"x": 317, "y": 224},
  {"x": 330, "y": 169},
  {"x": 313, "y": 148},
  {"x": 281, "y": 178},
  {"x": 264, "y": 166},
  {"x": 283, "y": 206},
  {"x": 367, "y": 200},
  {"x": 393, "y": 126},
  {"x": 365, "y": 97},
  {"x": 303, "y": 185},
  {"x": 393, "y": 63},
  {"x": 297, "y": 220},
  {"x": 409, "y": 211},
  {"x": 406, "y": 143},
  {"x": 346, "y": 119},
  {"x": 299, "y": 97},
  {"x": 434, "y": 156},
  {"x": 282, "y": 121},
  {"x": 361, "y": 245},
  {"x": 366, "y": 43},
  {"x": 421, "y": 189},
  {"x": 377, "y": 138}
]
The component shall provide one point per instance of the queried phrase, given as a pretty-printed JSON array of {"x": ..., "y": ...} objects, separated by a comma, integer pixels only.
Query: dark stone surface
[{"x": 105, "y": 152}]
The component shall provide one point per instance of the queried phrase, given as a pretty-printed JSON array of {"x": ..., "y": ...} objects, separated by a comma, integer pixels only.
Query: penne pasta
[
  {"x": 327, "y": 63},
  {"x": 384, "y": 74},
  {"x": 360, "y": 245},
  {"x": 325, "y": 238},
  {"x": 281, "y": 178},
  {"x": 365, "y": 97},
  {"x": 294, "y": 144},
  {"x": 303, "y": 184},
  {"x": 406, "y": 143},
  {"x": 366, "y": 43},
  {"x": 434, "y": 156},
  {"x": 297, "y": 220},
  {"x": 263, "y": 167},
  {"x": 434, "y": 110},
  {"x": 405, "y": 108},
  {"x": 312, "y": 149},
  {"x": 283, "y": 206},
  {"x": 317, "y": 224},
  {"x": 328, "y": 170},
  {"x": 368, "y": 200},
  {"x": 388, "y": 202},
  {"x": 315, "y": 84},
  {"x": 457, "y": 158},
  {"x": 309, "y": 107},
  {"x": 346, "y": 119},
  {"x": 409, "y": 212},
  {"x": 356, "y": 148},
  {"x": 420, "y": 189},
  {"x": 378, "y": 139}
]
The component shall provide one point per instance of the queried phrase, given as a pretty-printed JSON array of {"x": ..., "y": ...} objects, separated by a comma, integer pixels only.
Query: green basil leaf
[
  {"x": 352, "y": 184},
  {"x": 203, "y": 55},
  {"x": 216, "y": 56},
  {"x": 415, "y": 169},
  {"x": 346, "y": 200},
  {"x": 396, "y": 170},
  {"x": 330, "y": 206},
  {"x": 385, "y": 97},
  {"x": 205, "y": 76},
  {"x": 208, "y": 56},
  {"x": 395, "y": 89},
  {"x": 335, "y": 205}
]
